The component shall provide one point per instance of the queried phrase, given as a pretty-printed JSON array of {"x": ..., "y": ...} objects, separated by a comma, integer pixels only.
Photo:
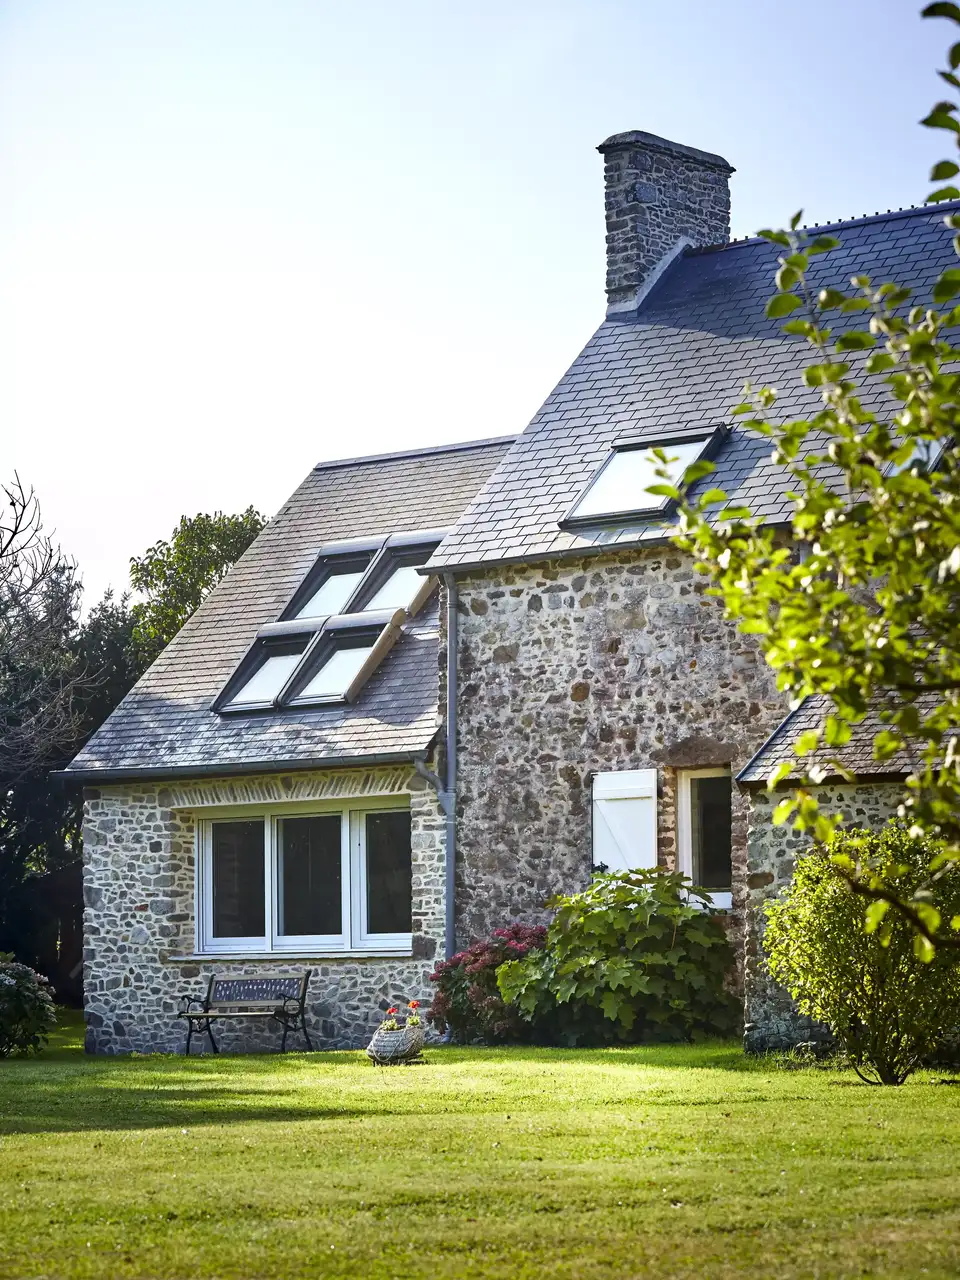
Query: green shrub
[
  {"x": 26, "y": 1008},
  {"x": 887, "y": 1008},
  {"x": 636, "y": 956}
]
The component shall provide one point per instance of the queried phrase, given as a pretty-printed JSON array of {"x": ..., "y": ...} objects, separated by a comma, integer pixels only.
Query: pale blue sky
[{"x": 237, "y": 238}]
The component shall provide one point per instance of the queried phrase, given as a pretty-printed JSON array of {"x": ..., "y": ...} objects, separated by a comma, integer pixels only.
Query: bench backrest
[{"x": 263, "y": 990}]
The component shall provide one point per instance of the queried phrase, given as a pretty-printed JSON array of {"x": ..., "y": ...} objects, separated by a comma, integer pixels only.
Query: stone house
[{"x": 442, "y": 685}]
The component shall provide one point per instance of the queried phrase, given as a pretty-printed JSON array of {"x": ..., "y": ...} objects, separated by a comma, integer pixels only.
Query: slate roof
[
  {"x": 682, "y": 361},
  {"x": 165, "y": 726},
  {"x": 856, "y": 755}
]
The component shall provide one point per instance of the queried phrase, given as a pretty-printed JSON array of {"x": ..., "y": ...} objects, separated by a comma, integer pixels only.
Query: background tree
[
  {"x": 177, "y": 575},
  {"x": 61, "y": 675},
  {"x": 864, "y": 606}
]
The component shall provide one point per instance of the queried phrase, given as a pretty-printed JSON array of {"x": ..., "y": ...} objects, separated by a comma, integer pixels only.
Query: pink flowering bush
[{"x": 468, "y": 1001}]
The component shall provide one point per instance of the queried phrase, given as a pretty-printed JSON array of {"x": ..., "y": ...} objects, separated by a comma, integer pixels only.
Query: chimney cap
[{"x": 651, "y": 142}]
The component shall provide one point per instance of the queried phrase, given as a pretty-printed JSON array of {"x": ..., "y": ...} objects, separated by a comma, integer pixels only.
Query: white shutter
[{"x": 625, "y": 819}]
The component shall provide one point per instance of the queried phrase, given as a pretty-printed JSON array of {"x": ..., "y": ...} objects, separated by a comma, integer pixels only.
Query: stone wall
[
  {"x": 568, "y": 668},
  {"x": 139, "y": 918},
  {"x": 771, "y": 1021}
]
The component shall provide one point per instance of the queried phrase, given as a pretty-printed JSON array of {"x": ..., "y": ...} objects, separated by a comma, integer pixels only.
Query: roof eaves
[
  {"x": 88, "y": 777},
  {"x": 431, "y": 451}
]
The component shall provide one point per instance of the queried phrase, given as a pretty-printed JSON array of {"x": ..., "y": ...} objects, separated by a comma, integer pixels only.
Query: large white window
[
  {"x": 305, "y": 879},
  {"x": 703, "y": 831}
]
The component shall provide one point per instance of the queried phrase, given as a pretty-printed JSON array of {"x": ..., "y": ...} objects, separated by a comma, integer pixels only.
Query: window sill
[{"x": 208, "y": 957}]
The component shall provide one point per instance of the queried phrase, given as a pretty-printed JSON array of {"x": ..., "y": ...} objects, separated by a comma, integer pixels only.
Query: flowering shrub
[
  {"x": 636, "y": 956},
  {"x": 468, "y": 1000},
  {"x": 26, "y": 1008}
]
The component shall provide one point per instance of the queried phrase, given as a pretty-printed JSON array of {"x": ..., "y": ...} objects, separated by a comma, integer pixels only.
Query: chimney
[{"x": 660, "y": 197}]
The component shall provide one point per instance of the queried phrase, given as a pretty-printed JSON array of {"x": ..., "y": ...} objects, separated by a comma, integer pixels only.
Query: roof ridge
[
  {"x": 464, "y": 446},
  {"x": 891, "y": 214}
]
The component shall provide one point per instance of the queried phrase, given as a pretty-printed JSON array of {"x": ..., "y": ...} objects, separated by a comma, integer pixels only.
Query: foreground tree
[
  {"x": 178, "y": 574},
  {"x": 862, "y": 604}
]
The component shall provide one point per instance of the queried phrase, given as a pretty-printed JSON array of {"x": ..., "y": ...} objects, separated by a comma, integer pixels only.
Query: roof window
[
  {"x": 261, "y": 677},
  {"x": 617, "y": 492},
  {"x": 341, "y": 622}
]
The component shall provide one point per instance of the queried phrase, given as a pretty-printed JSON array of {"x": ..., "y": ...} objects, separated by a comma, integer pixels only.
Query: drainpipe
[
  {"x": 451, "y": 806},
  {"x": 446, "y": 788}
]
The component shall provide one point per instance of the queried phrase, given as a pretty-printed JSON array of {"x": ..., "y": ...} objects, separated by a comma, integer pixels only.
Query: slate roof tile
[
  {"x": 682, "y": 360},
  {"x": 165, "y": 722}
]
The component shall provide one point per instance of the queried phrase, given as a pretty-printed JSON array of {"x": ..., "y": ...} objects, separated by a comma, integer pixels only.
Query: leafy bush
[
  {"x": 467, "y": 999},
  {"x": 887, "y": 1007},
  {"x": 634, "y": 957},
  {"x": 26, "y": 1008}
]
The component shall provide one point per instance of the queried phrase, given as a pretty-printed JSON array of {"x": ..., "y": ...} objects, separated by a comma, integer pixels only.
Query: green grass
[{"x": 671, "y": 1162}]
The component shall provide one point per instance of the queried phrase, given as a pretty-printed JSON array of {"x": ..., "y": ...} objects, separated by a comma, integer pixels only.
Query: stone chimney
[{"x": 660, "y": 197}]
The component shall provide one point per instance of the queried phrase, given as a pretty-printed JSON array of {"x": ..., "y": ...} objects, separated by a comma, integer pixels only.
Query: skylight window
[
  {"x": 332, "y": 595},
  {"x": 333, "y": 680},
  {"x": 399, "y": 591},
  {"x": 268, "y": 676},
  {"x": 618, "y": 490}
]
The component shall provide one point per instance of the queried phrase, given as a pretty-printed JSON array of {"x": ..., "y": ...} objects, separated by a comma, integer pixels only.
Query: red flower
[
  {"x": 392, "y": 1009},
  {"x": 414, "y": 1004}
]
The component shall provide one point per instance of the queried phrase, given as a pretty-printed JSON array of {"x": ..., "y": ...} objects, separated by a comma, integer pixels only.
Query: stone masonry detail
[
  {"x": 657, "y": 194},
  {"x": 139, "y": 894},
  {"x": 568, "y": 668},
  {"x": 771, "y": 1020}
]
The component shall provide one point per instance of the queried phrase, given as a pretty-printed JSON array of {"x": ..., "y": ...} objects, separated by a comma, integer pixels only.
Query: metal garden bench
[{"x": 264, "y": 996}]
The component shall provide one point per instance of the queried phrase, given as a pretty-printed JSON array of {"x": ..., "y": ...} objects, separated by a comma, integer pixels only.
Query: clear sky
[{"x": 238, "y": 237}]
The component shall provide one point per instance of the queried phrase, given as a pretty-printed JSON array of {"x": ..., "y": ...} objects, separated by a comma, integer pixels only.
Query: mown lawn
[{"x": 484, "y": 1163}]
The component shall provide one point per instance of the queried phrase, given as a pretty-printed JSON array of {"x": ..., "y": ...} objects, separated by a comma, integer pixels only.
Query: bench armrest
[
  {"x": 291, "y": 1007},
  {"x": 191, "y": 1004}
]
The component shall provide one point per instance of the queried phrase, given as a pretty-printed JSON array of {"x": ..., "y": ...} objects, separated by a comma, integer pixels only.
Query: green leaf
[
  {"x": 856, "y": 340},
  {"x": 786, "y": 277},
  {"x": 783, "y": 811},
  {"x": 781, "y": 304},
  {"x": 879, "y": 362},
  {"x": 943, "y": 193},
  {"x": 808, "y": 741},
  {"x": 776, "y": 237},
  {"x": 948, "y": 285},
  {"x": 953, "y": 57},
  {"x": 830, "y": 298},
  {"x": 942, "y": 9},
  {"x": 946, "y": 168},
  {"x": 823, "y": 244},
  {"x": 940, "y": 118},
  {"x": 795, "y": 220},
  {"x": 874, "y": 915},
  {"x": 923, "y": 948}
]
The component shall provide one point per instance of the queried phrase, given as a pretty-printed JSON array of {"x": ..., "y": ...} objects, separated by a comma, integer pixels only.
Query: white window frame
[
  {"x": 354, "y": 939},
  {"x": 721, "y": 899}
]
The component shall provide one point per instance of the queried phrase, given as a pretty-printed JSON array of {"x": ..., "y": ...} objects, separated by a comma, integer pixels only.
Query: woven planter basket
[{"x": 391, "y": 1047}]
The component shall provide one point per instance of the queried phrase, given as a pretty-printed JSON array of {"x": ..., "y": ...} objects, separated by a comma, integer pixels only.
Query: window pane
[
  {"x": 710, "y": 814},
  {"x": 268, "y": 679},
  {"x": 238, "y": 894},
  {"x": 388, "y": 872},
  {"x": 399, "y": 589},
  {"x": 331, "y": 596},
  {"x": 622, "y": 483},
  {"x": 310, "y": 901},
  {"x": 337, "y": 673}
]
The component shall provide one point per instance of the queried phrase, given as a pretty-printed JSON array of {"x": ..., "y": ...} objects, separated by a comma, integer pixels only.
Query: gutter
[{"x": 92, "y": 777}]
